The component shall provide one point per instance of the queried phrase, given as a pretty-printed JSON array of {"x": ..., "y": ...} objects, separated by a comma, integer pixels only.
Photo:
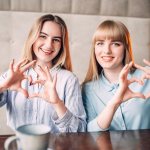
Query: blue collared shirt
[
  {"x": 130, "y": 115},
  {"x": 22, "y": 111}
]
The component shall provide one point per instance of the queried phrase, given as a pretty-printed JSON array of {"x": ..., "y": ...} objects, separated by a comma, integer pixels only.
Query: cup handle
[{"x": 8, "y": 141}]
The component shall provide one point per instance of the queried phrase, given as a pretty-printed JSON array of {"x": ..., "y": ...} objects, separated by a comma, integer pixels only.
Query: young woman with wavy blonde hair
[{"x": 44, "y": 91}]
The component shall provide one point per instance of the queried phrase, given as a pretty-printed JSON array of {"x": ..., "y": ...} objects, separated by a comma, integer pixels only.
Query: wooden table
[{"x": 108, "y": 140}]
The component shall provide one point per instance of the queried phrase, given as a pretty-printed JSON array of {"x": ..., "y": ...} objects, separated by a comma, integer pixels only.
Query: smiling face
[
  {"x": 111, "y": 49},
  {"x": 109, "y": 54},
  {"x": 48, "y": 43},
  {"x": 110, "y": 46}
]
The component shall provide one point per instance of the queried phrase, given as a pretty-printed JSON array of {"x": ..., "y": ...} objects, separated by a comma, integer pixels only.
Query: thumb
[
  {"x": 34, "y": 95},
  {"x": 138, "y": 95},
  {"x": 147, "y": 96},
  {"x": 23, "y": 91}
]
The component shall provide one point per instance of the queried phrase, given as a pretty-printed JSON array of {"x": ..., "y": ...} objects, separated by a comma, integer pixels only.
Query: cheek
[
  {"x": 56, "y": 52},
  {"x": 34, "y": 48},
  {"x": 97, "y": 55},
  {"x": 97, "y": 51},
  {"x": 120, "y": 53},
  {"x": 36, "y": 45}
]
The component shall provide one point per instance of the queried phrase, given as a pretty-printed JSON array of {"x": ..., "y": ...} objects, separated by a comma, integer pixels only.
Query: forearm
[
  {"x": 70, "y": 122},
  {"x": 106, "y": 116},
  {"x": 60, "y": 108}
]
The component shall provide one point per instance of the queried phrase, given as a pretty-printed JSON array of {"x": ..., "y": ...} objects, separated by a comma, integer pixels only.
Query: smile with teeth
[
  {"x": 47, "y": 52},
  {"x": 107, "y": 58}
]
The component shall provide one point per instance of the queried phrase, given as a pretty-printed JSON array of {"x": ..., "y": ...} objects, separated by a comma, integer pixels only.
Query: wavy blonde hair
[
  {"x": 63, "y": 58},
  {"x": 114, "y": 30}
]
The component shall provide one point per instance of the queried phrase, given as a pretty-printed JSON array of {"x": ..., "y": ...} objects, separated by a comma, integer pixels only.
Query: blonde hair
[
  {"x": 114, "y": 30},
  {"x": 63, "y": 58}
]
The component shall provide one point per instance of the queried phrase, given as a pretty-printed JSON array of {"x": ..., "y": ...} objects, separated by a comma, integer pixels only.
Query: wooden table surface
[{"x": 108, "y": 140}]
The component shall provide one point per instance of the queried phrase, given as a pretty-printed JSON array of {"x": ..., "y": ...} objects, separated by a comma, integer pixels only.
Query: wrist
[
  {"x": 3, "y": 88},
  {"x": 117, "y": 98},
  {"x": 57, "y": 103},
  {"x": 113, "y": 103},
  {"x": 60, "y": 108}
]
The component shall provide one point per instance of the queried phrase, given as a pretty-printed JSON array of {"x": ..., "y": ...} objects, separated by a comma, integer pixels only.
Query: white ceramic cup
[{"x": 31, "y": 137}]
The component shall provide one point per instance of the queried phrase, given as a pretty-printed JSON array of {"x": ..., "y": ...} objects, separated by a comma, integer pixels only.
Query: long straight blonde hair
[
  {"x": 63, "y": 58},
  {"x": 114, "y": 30}
]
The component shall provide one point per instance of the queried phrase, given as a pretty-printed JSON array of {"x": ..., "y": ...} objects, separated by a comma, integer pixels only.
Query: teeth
[
  {"x": 49, "y": 52},
  {"x": 107, "y": 58}
]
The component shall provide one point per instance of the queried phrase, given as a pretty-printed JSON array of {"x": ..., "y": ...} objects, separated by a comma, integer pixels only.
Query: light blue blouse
[
  {"x": 22, "y": 111},
  {"x": 130, "y": 115}
]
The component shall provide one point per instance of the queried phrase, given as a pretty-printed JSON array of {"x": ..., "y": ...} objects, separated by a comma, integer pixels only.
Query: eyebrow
[
  {"x": 101, "y": 40},
  {"x": 117, "y": 41},
  {"x": 48, "y": 35}
]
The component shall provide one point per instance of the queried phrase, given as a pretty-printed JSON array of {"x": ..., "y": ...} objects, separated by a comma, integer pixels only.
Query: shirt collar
[
  {"x": 52, "y": 71},
  {"x": 109, "y": 86}
]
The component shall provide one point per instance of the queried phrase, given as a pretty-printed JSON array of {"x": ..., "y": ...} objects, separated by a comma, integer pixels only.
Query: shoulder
[
  {"x": 65, "y": 72},
  {"x": 89, "y": 86},
  {"x": 66, "y": 76}
]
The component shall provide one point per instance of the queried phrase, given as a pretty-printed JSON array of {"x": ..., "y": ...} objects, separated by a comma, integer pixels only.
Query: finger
[
  {"x": 124, "y": 71},
  {"x": 129, "y": 67},
  {"x": 48, "y": 73},
  {"x": 147, "y": 96},
  {"x": 146, "y": 62},
  {"x": 24, "y": 63},
  {"x": 42, "y": 71},
  {"x": 33, "y": 95},
  {"x": 145, "y": 76},
  {"x": 23, "y": 91},
  {"x": 140, "y": 67},
  {"x": 38, "y": 82},
  {"x": 28, "y": 65},
  {"x": 55, "y": 80},
  {"x": 130, "y": 64},
  {"x": 138, "y": 95},
  {"x": 29, "y": 78},
  {"x": 20, "y": 63},
  {"x": 135, "y": 80},
  {"x": 11, "y": 65}
]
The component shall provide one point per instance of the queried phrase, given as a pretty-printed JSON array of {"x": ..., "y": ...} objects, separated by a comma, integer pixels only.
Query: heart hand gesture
[{"x": 15, "y": 75}]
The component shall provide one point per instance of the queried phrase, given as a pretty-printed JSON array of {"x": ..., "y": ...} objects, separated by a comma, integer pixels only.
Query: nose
[
  {"x": 107, "y": 48},
  {"x": 48, "y": 43}
]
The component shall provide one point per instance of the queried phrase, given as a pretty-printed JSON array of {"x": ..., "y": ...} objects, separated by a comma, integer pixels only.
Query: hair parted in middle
[{"x": 63, "y": 57}]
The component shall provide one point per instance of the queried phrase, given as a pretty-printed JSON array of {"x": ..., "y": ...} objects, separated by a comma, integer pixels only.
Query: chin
[{"x": 107, "y": 66}]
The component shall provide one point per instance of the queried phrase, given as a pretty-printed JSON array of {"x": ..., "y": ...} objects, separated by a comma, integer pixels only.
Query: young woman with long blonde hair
[
  {"x": 113, "y": 91},
  {"x": 44, "y": 91}
]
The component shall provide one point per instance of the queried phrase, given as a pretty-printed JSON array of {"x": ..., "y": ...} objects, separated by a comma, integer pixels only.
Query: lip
[
  {"x": 47, "y": 52},
  {"x": 107, "y": 58}
]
